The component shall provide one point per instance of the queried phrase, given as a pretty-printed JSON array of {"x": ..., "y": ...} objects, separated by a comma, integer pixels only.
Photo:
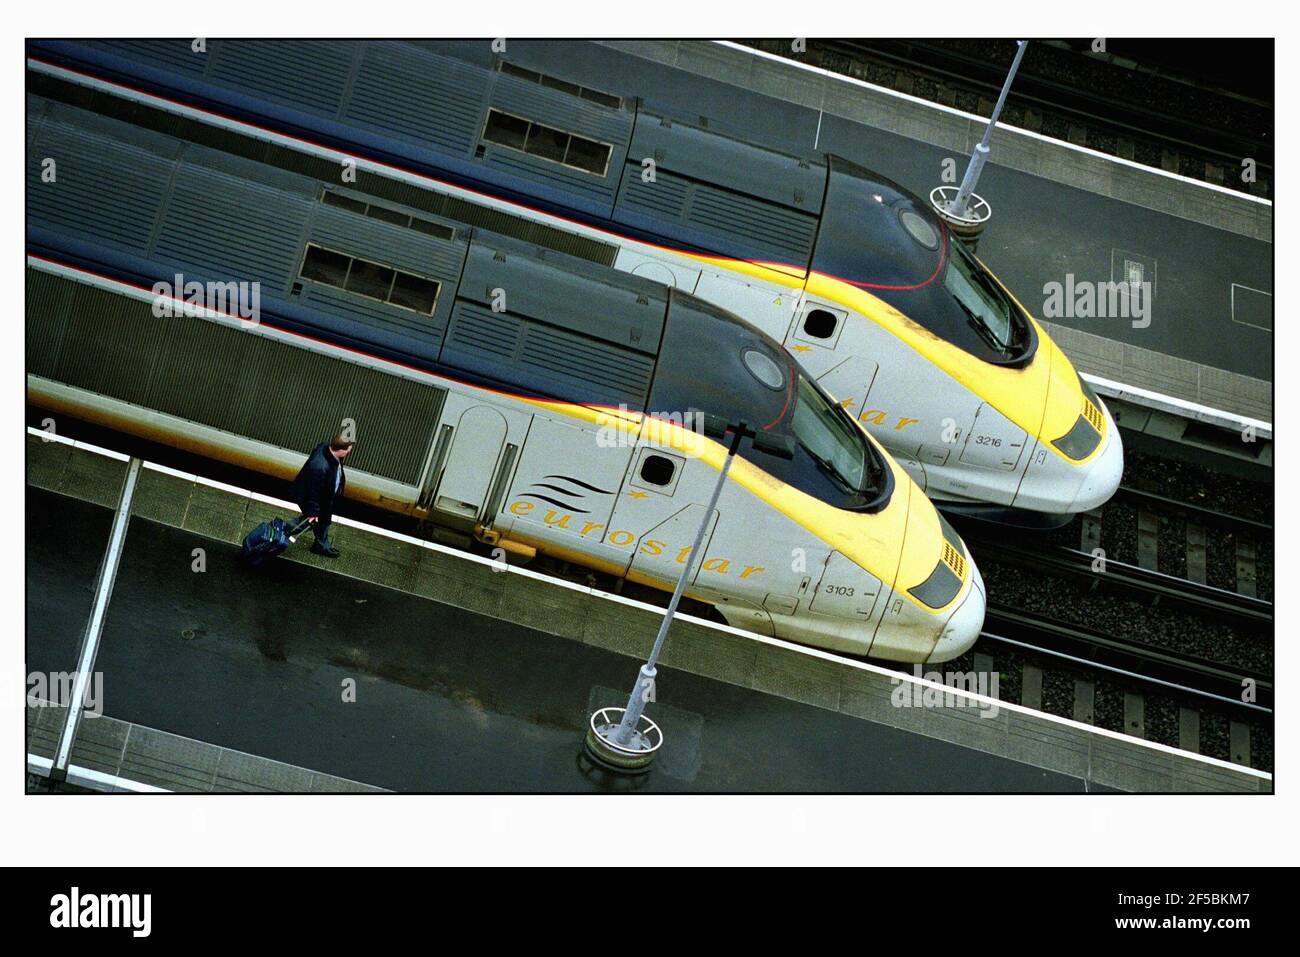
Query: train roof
[{"x": 505, "y": 311}]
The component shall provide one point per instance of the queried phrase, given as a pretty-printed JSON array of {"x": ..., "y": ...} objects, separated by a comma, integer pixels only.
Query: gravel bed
[
  {"x": 1264, "y": 569},
  {"x": 1108, "y": 706},
  {"x": 1261, "y": 747},
  {"x": 1221, "y": 559},
  {"x": 1058, "y": 694},
  {"x": 1215, "y": 742},
  {"x": 1161, "y": 717},
  {"x": 1119, "y": 535},
  {"x": 1171, "y": 546},
  {"x": 1072, "y": 603},
  {"x": 1198, "y": 485}
]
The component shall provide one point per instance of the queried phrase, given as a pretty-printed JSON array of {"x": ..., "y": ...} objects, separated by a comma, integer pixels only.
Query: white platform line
[{"x": 976, "y": 699}]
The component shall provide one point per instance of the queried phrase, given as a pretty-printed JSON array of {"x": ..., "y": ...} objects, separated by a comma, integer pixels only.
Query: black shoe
[{"x": 325, "y": 548}]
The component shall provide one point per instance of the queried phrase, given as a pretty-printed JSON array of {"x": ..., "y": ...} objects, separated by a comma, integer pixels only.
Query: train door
[
  {"x": 566, "y": 486},
  {"x": 469, "y": 463}
]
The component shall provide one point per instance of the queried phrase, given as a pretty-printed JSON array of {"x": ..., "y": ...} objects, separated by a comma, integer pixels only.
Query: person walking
[{"x": 318, "y": 483}]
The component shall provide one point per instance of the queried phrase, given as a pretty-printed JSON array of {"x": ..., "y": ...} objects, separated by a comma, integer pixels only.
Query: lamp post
[
  {"x": 965, "y": 212},
  {"x": 624, "y": 738}
]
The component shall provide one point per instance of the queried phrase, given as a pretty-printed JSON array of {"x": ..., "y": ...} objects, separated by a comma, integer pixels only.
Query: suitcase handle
[{"x": 298, "y": 529}]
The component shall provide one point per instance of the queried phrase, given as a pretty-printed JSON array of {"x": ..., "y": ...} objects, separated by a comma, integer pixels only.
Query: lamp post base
[
  {"x": 631, "y": 757},
  {"x": 967, "y": 225}
]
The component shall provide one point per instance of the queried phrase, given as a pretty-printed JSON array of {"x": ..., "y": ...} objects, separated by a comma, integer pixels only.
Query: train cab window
[
  {"x": 987, "y": 306},
  {"x": 657, "y": 470},
  {"x": 829, "y": 438},
  {"x": 546, "y": 142},
  {"x": 820, "y": 324}
]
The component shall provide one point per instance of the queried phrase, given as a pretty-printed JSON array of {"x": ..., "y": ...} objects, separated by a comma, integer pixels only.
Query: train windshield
[
  {"x": 989, "y": 309},
  {"x": 826, "y": 434},
  {"x": 713, "y": 361},
  {"x": 887, "y": 242}
]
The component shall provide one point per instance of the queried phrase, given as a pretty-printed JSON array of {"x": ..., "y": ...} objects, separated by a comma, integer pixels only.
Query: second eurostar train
[
  {"x": 533, "y": 398},
  {"x": 851, "y": 273}
]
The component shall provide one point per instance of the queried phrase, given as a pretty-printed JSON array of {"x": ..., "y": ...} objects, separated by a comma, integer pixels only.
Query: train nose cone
[
  {"x": 1104, "y": 472},
  {"x": 965, "y": 624}
]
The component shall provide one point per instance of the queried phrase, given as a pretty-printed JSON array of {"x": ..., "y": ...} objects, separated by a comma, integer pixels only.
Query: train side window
[
  {"x": 546, "y": 142},
  {"x": 331, "y": 198},
  {"x": 506, "y": 130},
  {"x": 587, "y": 155},
  {"x": 820, "y": 324},
  {"x": 370, "y": 279},
  {"x": 389, "y": 216},
  {"x": 412, "y": 292},
  {"x": 321, "y": 265},
  {"x": 555, "y": 83},
  {"x": 657, "y": 470}
]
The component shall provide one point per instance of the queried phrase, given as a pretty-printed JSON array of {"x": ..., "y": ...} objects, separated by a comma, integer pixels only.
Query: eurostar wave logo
[{"x": 571, "y": 499}]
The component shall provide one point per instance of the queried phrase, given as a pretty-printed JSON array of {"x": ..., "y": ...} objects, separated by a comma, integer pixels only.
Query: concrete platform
[
  {"x": 1058, "y": 208},
  {"x": 470, "y": 676}
]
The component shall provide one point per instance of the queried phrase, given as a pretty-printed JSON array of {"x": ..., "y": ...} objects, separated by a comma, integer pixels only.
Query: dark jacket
[{"x": 313, "y": 489}]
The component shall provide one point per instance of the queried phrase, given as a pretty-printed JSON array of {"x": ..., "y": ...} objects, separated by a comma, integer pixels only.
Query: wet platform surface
[
  {"x": 468, "y": 675},
  {"x": 446, "y": 699},
  {"x": 1212, "y": 285}
]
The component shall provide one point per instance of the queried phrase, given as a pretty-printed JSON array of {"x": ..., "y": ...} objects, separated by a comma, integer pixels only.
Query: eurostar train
[
  {"x": 502, "y": 387},
  {"x": 850, "y": 272}
]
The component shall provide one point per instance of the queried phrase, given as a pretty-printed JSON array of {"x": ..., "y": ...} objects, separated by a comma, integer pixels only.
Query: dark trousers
[{"x": 320, "y": 528}]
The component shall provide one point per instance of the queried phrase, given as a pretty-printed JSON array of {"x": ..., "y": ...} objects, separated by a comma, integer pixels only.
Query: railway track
[
  {"x": 1107, "y": 121},
  {"x": 1129, "y": 645}
]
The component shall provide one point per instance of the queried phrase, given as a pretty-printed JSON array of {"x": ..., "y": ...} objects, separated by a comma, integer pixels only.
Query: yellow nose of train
[
  {"x": 935, "y": 596},
  {"x": 937, "y": 609}
]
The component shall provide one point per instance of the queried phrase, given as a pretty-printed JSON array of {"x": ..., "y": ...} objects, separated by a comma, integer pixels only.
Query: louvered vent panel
[
  {"x": 665, "y": 197},
  {"x": 227, "y": 378},
  {"x": 233, "y": 229},
  {"x": 48, "y": 309},
  {"x": 417, "y": 97},
  {"x": 178, "y": 55},
  {"x": 309, "y": 75},
  {"x": 102, "y": 189},
  {"x": 474, "y": 328},
  {"x": 763, "y": 224},
  {"x": 623, "y": 374}
]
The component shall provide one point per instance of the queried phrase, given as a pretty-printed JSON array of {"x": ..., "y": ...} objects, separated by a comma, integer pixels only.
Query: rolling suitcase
[{"x": 269, "y": 539}]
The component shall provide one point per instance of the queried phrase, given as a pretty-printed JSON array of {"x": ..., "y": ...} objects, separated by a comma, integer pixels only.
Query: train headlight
[
  {"x": 945, "y": 581},
  {"x": 1082, "y": 440}
]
